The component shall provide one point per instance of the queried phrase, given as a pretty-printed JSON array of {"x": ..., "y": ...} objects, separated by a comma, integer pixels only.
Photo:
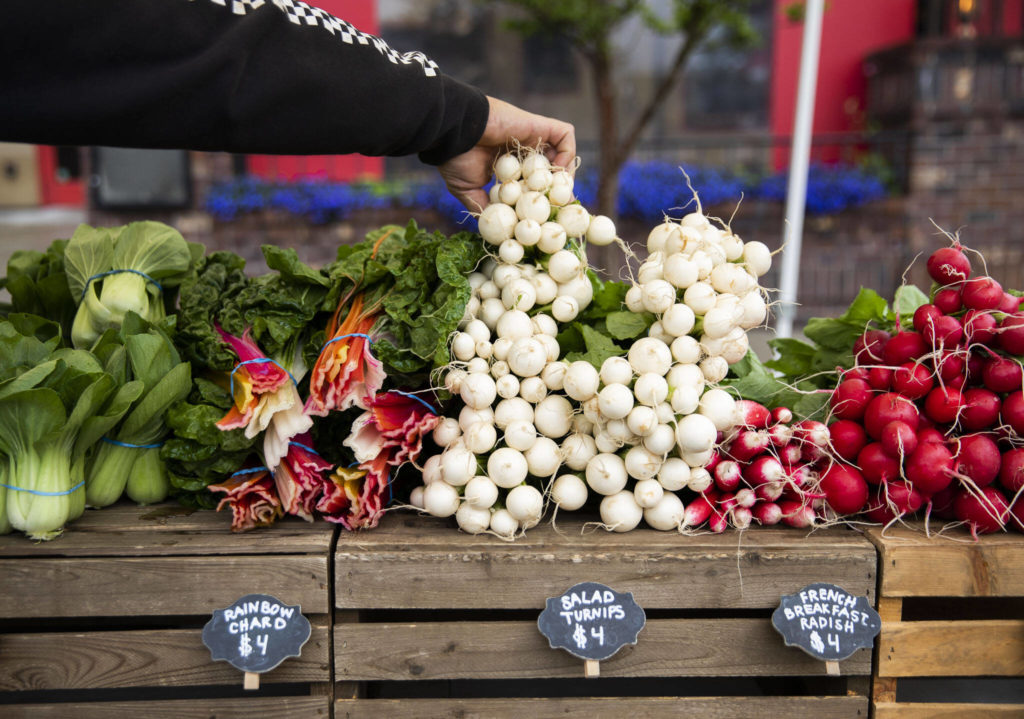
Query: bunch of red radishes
[
  {"x": 932, "y": 417},
  {"x": 765, "y": 471}
]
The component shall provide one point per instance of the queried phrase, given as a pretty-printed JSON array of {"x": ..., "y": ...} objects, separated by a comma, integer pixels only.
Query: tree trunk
[{"x": 607, "y": 112}]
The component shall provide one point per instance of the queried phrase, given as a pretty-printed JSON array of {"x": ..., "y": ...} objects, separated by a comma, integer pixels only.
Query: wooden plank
[
  {"x": 893, "y": 710},
  {"x": 589, "y": 707},
  {"x": 248, "y": 708},
  {"x": 912, "y": 564},
  {"x": 157, "y": 586},
  {"x": 442, "y": 569},
  {"x": 150, "y": 658},
  {"x": 517, "y": 650},
  {"x": 130, "y": 530},
  {"x": 949, "y": 648}
]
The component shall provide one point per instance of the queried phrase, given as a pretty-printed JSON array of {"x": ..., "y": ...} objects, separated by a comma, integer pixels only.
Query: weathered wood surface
[
  {"x": 117, "y": 586},
  {"x": 950, "y": 648},
  {"x": 911, "y": 564},
  {"x": 588, "y": 708},
  {"x": 427, "y": 567},
  {"x": 509, "y": 650},
  {"x": 149, "y": 658},
  {"x": 248, "y": 708},
  {"x": 894, "y": 710},
  {"x": 169, "y": 529}
]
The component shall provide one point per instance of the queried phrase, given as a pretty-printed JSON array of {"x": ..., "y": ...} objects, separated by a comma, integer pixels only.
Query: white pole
[{"x": 799, "y": 160}]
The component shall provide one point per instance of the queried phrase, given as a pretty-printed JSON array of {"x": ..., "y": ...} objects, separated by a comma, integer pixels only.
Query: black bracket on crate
[
  {"x": 592, "y": 622},
  {"x": 255, "y": 634},
  {"x": 827, "y": 622}
]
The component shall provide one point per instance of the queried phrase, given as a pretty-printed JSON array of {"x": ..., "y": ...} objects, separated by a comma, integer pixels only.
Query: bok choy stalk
[
  {"x": 130, "y": 459},
  {"x": 114, "y": 271}
]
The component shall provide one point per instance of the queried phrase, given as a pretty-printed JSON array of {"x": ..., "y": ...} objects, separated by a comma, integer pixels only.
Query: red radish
[
  {"x": 892, "y": 500},
  {"x": 844, "y": 487},
  {"x": 790, "y": 454},
  {"x": 1010, "y": 303},
  {"x": 885, "y": 408},
  {"x": 850, "y": 398},
  {"x": 748, "y": 444},
  {"x": 746, "y": 498},
  {"x": 1011, "y": 472},
  {"x": 979, "y": 327},
  {"x": 812, "y": 438},
  {"x": 948, "y": 265},
  {"x": 877, "y": 466},
  {"x": 975, "y": 364},
  {"x": 943, "y": 404},
  {"x": 930, "y": 434},
  {"x": 741, "y": 517},
  {"x": 906, "y": 346},
  {"x": 848, "y": 438},
  {"x": 1002, "y": 374},
  {"x": 945, "y": 331},
  {"x": 949, "y": 365},
  {"x": 697, "y": 512},
  {"x": 763, "y": 470},
  {"x": 948, "y": 300},
  {"x": 1016, "y": 518},
  {"x": 977, "y": 457},
  {"x": 1012, "y": 411},
  {"x": 801, "y": 475},
  {"x": 769, "y": 491},
  {"x": 880, "y": 378},
  {"x": 727, "y": 475},
  {"x": 753, "y": 414},
  {"x": 1011, "y": 333},
  {"x": 981, "y": 293},
  {"x": 912, "y": 380},
  {"x": 868, "y": 348},
  {"x": 981, "y": 409},
  {"x": 930, "y": 468},
  {"x": 796, "y": 514},
  {"x": 767, "y": 513},
  {"x": 782, "y": 415},
  {"x": 780, "y": 435},
  {"x": 852, "y": 373},
  {"x": 726, "y": 502},
  {"x": 924, "y": 314},
  {"x": 898, "y": 439},
  {"x": 942, "y": 502},
  {"x": 984, "y": 514},
  {"x": 718, "y": 522}
]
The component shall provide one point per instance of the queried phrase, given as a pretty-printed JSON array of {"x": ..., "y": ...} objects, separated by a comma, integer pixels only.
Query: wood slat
[
  {"x": 157, "y": 586},
  {"x": 169, "y": 529},
  {"x": 517, "y": 650},
  {"x": 428, "y": 568},
  {"x": 911, "y": 564},
  {"x": 588, "y": 708},
  {"x": 174, "y": 657},
  {"x": 949, "y": 648},
  {"x": 248, "y": 708},
  {"x": 894, "y": 710}
]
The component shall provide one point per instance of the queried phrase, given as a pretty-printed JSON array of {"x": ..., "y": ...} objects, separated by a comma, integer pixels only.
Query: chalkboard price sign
[
  {"x": 591, "y": 621},
  {"x": 826, "y": 621},
  {"x": 256, "y": 633}
]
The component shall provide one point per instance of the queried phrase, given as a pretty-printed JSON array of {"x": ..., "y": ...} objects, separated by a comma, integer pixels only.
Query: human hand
[{"x": 466, "y": 174}]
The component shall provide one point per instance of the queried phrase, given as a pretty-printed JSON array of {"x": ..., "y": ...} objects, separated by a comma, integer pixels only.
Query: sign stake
[
  {"x": 832, "y": 668},
  {"x": 591, "y": 669},
  {"x": 251, "y": 681}
]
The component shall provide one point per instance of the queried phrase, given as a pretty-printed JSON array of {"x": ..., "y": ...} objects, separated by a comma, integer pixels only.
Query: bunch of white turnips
[{"x": 636, "y": 430}]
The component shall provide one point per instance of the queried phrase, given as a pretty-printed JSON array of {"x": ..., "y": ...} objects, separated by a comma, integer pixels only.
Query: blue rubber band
[
  {"x": 302, "y": 446},
  {"x": 258, "y": 360},
  {"x": 344, "y": 337},
  {"x": 40, "y": 493},
  {"x": 410, "y": 395},
  {"x": 101, "y": 275},
  {"x": 129, "y": 445},
  {"x": 251, "y": 470}
]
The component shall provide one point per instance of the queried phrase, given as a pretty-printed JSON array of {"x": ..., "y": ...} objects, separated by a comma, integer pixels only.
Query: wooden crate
[
  {"x": 950, "y": 607},
  {"x": 106, "y": 621},
  {"x": 435, "y": 623}
]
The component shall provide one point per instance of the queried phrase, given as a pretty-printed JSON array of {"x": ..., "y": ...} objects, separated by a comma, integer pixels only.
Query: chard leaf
[
  {"x": 218, "y": 277},
  {"x": 287, "y": 262}
]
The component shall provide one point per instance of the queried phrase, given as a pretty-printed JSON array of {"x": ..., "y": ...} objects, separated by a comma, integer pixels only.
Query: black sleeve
[{"x": 256, "y": 76}]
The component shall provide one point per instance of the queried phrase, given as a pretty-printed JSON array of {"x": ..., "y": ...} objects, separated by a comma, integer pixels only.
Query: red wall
[
  {"x": 852, "y": 29},
  {"x": 363, "y": 15}
]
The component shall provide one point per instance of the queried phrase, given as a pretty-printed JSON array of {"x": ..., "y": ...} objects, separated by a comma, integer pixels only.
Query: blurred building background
[{"x": 919, "y": 124}]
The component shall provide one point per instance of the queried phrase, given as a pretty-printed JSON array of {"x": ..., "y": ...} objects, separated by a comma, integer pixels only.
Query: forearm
[{"x": 196, "y": 75}]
